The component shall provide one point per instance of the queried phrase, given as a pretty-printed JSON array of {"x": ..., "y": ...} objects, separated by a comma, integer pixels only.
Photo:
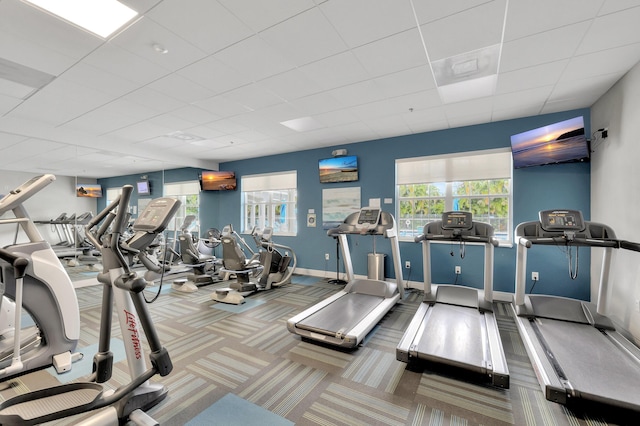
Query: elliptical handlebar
[{"x": 19, "y": 263}]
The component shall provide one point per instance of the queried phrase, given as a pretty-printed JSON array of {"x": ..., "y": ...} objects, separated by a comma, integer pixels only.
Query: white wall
[
  {"x": 615, "y": 193},
  {"x": 58, "y": 197}
]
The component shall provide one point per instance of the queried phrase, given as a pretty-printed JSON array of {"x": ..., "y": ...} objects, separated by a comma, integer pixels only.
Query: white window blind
[
  {"x": 181, "y": 188},
  {"x": 270, "y": 181},
  {"x": 476, "y": 165}
]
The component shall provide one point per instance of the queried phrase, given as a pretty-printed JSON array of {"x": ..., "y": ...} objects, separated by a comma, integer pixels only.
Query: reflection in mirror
[{"x": 61, "y": 210}]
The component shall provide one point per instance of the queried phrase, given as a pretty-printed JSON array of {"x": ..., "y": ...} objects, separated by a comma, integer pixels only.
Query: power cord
[
  {"x": 535, "y": 281},
  {"x": 164, "y": 260}
]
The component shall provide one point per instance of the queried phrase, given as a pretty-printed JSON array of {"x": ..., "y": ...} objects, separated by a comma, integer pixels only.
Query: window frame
[
  {"x": 264, "y": 213},
  {"x": 181, "y": 195},
  {"x": 447, "y": 180}
]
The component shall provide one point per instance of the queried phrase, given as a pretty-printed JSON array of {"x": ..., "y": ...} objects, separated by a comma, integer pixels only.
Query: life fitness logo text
[{"x": 132, "y": 327}]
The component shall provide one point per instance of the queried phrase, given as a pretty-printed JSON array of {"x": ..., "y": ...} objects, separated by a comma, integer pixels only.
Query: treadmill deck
[
  {"x": 594, "y": 365},
  {"x": 341, "y": 315},
  {"x": 454, "y": 335}
]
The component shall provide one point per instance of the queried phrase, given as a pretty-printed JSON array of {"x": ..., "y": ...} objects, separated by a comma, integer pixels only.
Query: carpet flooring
[{"x": 240, "y": 365}]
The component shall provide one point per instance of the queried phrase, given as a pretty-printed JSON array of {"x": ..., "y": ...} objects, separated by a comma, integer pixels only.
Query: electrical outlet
[
  {"x": 458, "y": 270},
  {"x": 326, "y": 256},
  {"x": 535, "y": 276},
  {"x": 637, "y": 305},
  {"x": 407, "y": 264}
]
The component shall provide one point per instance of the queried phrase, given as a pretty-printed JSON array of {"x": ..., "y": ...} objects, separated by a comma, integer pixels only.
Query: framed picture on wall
[{"x": 337, "y": 204}]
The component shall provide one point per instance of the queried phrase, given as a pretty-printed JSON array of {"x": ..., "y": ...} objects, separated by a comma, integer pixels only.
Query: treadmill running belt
[
  {"x": 454, "y": 335},
  {"x": 593, "y": 364},
  {"x": 341, "y": 315}
]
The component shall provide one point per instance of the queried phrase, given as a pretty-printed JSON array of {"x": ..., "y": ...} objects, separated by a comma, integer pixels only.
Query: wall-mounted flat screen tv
[
  {"x": 143, "y": 187},
  {"x": 88, "y": 190},
  {"x": 339, "y": 169},
  {"x": 561, "y": 142},
  {"x": 218, "y": 181}
]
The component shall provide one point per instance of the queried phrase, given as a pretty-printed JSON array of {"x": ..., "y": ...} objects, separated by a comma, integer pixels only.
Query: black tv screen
[
  {"x": 144, "y": 188},
  {"x": 338, "y": 169},
  {"x": 561, "y": 142},
  {"x": 218, "y": 181}
]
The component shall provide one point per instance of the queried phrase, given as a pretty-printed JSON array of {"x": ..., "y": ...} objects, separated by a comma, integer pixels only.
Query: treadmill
[
  {"x": 575, "y": 349},
  {"x": 455, "y": 325},
  {"x": 345, "y": 318}
]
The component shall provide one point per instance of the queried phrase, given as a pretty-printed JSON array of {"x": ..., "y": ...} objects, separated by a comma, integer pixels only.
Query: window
[
  {"x": 270, "y": 200},
  {"x": 112, "y": 194},
  {"x": 189, "y": 195},
  {"x": 479, "y": 182}
]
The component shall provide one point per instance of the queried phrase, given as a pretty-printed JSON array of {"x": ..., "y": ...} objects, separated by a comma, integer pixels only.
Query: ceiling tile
[
  {"x": 362, "y": 21},
  {"x": 236, "y": 69},
  {"x": 614, "y": 30},
  {"x": 466, "y": 31},
  {"x": 512, "y": 100},
  {"x": 115, "y": 60},
  {"x": 407, "y": 81},
  {"x": 537, "y": 49},
  {"x": 204, "y": 23},
  {"x": 305, "y": 38},
  {"x": 429, "y": 11},
  {"x": 147, "y": 39},
  {"x": 20, "y": 19},
  {"x": 290, "y": 85},
  {"x": 392, "y": 54},
  {"x": 335, "y": 71},
  {"x": 181, "y": 88},
  {"x": 530, "y": 77},
  {"x": 261, "y": 15},
  {"x": 357, "y": 94},
  {"x": 44, "y": 105},
  {"x": 529, "y": 18},
  {"x": 603, "y": 62},
  {"x": 215, "y": 75}
]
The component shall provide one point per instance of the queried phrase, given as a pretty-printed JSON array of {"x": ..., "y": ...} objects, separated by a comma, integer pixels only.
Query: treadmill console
[
  {"x": 368, "y": 219},
  {"x": 157, "y": 215},
  {"x": 561, "y": 220},
  {"x": 457, "y": 220}
]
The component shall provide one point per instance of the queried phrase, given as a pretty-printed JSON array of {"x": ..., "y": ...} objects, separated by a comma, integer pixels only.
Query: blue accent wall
[{"x": 534, "y": 189}]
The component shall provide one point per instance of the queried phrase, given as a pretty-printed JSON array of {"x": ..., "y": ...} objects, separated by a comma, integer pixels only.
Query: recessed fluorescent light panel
[
  {"x": 303, "y": 124},
  {"x": 101, "y": 17}
]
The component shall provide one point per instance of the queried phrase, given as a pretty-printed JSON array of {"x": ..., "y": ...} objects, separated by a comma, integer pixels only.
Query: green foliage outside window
[{"x": 421, "y": 203}]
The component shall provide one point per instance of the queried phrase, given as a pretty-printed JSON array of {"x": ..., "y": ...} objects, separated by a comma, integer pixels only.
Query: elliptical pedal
[{"x": 46, "y": 404}]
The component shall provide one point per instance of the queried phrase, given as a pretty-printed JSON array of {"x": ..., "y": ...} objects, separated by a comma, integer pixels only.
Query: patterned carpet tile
[
  {"x": 283, "y": 386},
  {"x": 342, "y": 405},
  {"x": 320, "y": 357},
  {"x": 248, "y": 353},
  {"x": 480, "y": 404}
]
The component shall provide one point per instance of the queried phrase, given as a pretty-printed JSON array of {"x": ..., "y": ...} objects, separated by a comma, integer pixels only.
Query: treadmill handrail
[
  {"x": 576, "y": 241},
  {"x": 629, "y": 245},
  {"x": 466, "y": 238}
]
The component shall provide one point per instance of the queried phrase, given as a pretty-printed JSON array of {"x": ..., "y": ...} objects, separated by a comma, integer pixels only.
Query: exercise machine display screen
[
  {"x": 457, "y": 220},
  {"x": 156, "y": 215},
  {"x": 368, "y": 218},
  {"x": 561, "y": 220}
]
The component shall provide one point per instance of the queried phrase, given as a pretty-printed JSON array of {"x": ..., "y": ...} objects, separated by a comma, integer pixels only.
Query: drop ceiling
[{"x": 201, "y": 82}]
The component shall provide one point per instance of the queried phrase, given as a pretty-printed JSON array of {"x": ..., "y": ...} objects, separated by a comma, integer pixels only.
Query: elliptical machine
[
  {"x": 46, "y": 294},
  {"x": 124, "y": 288}
]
